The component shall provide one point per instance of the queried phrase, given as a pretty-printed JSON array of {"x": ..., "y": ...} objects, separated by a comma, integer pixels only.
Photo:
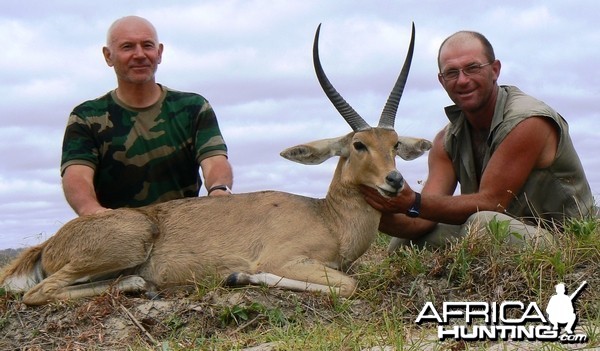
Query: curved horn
[
  {"x": 356, "y": 122},
  {"x": 388, "y": 116}
]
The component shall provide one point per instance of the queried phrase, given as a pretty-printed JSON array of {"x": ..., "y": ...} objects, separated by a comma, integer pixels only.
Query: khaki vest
[{"x": 550, "y": 194}]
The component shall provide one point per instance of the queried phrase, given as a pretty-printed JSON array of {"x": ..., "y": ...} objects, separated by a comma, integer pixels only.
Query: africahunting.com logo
[{"x": 508, "y": 320}]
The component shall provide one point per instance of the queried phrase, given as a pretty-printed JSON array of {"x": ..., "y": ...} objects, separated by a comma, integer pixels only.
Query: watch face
[{"x": 414, "y": 210}]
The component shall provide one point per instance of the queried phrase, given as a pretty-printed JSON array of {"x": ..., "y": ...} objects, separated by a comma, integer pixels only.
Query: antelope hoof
[{"x": 237, "y": 278}]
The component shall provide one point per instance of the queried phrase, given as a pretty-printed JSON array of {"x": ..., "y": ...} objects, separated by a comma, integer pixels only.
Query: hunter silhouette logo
[
  {"x": 507, "y": 320},
  {"x": 560, "y": 308}
]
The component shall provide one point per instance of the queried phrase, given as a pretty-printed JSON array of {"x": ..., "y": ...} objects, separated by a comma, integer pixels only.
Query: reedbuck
[{"x": 267, "y": 237}]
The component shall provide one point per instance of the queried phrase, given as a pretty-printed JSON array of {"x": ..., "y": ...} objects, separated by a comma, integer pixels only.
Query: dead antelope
[{"x": 267, "y": 237}]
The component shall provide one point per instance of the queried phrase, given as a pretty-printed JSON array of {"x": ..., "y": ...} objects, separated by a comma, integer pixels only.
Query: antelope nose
[{"x": 395, "y": 180}]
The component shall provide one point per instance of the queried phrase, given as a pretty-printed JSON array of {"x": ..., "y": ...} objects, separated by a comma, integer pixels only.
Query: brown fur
[{"x": 308, "y": 241}]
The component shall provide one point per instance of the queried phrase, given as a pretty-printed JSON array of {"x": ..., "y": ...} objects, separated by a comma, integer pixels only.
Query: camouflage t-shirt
[{"x": 143, "y": 156}]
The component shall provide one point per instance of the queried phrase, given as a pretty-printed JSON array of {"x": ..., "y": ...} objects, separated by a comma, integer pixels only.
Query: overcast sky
[{"x": 252, "y": 61}]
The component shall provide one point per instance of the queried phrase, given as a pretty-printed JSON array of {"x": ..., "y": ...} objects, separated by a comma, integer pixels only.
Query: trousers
[{"x": 519, "y": 233}]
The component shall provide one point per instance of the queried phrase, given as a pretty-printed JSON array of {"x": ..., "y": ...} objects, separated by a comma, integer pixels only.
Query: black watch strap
[
  {"x": 219, "y": 187},
  {"x": 415, "y": 210}
]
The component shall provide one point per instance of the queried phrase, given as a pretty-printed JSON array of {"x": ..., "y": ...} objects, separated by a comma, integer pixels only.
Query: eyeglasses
[{"x": 453, "y": 74}]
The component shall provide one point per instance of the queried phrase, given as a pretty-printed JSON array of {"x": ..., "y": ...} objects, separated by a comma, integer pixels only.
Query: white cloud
[
  {"x": 536, "y": 17},
  {"x": 253, "y": 61}
]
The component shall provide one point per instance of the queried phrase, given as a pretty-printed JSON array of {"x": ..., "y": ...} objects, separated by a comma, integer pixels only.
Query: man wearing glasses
[{"x": 511, "y": 154}]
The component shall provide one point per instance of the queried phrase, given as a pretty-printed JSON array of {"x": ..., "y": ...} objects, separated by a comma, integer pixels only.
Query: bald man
[
  {"x": 141, "y": 143},
  {"x": 511, "y": 154}
]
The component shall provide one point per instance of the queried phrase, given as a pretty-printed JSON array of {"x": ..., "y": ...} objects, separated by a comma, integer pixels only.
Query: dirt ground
[
  {"x": 134, "y": 322},
  {"x": 115, "y": 321}
]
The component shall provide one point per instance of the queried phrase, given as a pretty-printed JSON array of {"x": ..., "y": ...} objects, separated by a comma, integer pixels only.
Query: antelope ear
[
  {"x": 316, "y": 152},
  {"x": 410, "y": 148}
]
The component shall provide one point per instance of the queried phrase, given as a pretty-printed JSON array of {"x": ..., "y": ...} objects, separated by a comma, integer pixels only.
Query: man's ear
[
  {"x": 410, "y": 148},
  {"x": 316, "y": 152},
  {"x": 441, "y": 80},
  {"x": 106, "y": 54},
  {"x": 496, "y": 66},
  {"x": 160, "y": 51}
]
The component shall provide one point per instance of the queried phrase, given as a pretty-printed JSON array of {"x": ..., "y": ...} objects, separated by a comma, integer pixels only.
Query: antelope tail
[{"x": 24, "y": 272}]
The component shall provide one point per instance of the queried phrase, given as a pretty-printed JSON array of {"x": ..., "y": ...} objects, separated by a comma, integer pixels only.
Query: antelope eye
[{"x": 358, "y": 146}]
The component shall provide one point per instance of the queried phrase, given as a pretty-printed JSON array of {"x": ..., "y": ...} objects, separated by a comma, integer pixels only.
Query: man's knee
[
  {"x": 480, "y": 220},
  {"x": 515, "y": 232}
]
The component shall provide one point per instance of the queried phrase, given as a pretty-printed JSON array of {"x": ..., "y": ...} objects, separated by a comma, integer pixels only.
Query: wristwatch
[
  {"x": 415, "y": 209},
  {"x": 219, "y": 187}
]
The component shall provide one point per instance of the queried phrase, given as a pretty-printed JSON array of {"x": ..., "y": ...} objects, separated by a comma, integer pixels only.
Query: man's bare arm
[
  {"x": 217, "y": 171},
  {"x": 78, "y": 187},
  {"x": 531, "y": 144}
]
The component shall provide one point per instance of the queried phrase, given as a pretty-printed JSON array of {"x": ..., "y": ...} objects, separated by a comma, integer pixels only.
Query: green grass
[{"x": 392, "y": 290}]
